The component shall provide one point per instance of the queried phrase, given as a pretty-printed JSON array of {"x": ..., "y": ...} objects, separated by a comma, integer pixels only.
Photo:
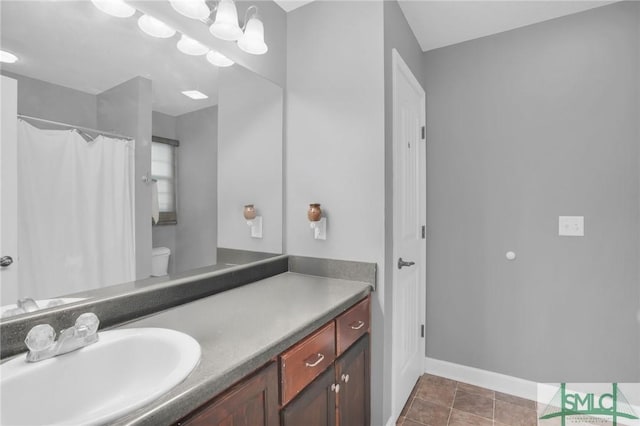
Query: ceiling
[
  {"x": 439, "y": 23},
  {"x": 73, "y": 44},
  {"x": 443, "y": 23},
  {"x": 289, "y": 5}
]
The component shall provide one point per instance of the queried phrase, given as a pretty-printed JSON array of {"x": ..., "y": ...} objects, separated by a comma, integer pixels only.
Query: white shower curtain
[{"x": 76, "y": 212}]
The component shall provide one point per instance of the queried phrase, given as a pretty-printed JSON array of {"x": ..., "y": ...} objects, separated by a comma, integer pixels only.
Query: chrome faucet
[{"x": 42, "y": 344}]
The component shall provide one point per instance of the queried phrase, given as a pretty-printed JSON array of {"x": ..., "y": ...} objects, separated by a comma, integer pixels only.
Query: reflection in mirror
[{"x": 120, "y": 174}]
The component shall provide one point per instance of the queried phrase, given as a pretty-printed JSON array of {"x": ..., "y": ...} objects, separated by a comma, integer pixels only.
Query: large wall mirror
[{"x": 129, "y": 150}]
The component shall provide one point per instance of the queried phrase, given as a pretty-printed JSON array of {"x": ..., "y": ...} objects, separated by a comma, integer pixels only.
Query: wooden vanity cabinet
[
  {"x": 251, "y": 402},
  {"x": 304, "y": 361},
  {"x": 316, "y": 405},
  {"x": 340, "y": 396},
  {"x": 342, "y": 387},
  {"x": 352, "y": 374},
  {"x": 323, "y": 380},
  {"x": 352, "y": 325}
]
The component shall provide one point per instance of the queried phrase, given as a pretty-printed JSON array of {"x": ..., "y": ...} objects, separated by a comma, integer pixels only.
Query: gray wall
[
  {"x": 250, "y": 159},
  {"x": 196, "y": 233},
  {"x": 334, "y": 152},
  {"x": 637, "y": 137},
  {"x": 163, "y": 125},
  {"x": 525, "y": 126},
  {"x": 126, "y": 109},
  {"x": 193, "y": 241},
  {"x": 37, "y": 98}
]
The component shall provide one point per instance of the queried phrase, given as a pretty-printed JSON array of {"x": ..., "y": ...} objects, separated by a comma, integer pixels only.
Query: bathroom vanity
[
  {"x": 282, "y": 349},
  {"x": 280, "y": 341},
  {"x": 321, "y": 380}
]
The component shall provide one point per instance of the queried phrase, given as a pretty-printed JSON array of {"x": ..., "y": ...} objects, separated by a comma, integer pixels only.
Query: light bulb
[
  {"x": 252, "y": 41},
  {"x": 189, "y": 46},
  {"x": 117, "y": 8},
  {"x": 194, "y": 9},
  {"x": 8, "y": 57},
  {"x": 226, "y": 25},
  {"x": 218, "y": 59},
  {"x": 154, "y": 27}
]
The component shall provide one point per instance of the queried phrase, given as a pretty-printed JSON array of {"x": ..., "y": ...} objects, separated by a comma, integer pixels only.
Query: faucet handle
[
  {"x": 40, "y": 337},
  {"x": 88, "y": 323}
]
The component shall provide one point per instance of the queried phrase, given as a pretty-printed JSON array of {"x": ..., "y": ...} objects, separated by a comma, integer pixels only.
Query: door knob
[
  {"x": 5, "y": 261},
  {"x": 402, "y": 263}
]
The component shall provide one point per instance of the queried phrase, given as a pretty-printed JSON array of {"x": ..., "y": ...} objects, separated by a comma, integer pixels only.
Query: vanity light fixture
[
  {"x": 117, "y": 8},
  {"x": 226, "y": 26},
  {"x": 189, "y": 46},
  {"x": 252, "y": 40},
  {"x": 194, "y": 9},
  {"x": 8, "y": 57},
  {"x": 155, "y": 27},
  {"x": 218, "y": 59},
  {"x": 194, "y": 94}
]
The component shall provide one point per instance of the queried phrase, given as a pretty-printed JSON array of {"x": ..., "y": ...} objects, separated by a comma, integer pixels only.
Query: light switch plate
[{"x": 571, "y": 226}]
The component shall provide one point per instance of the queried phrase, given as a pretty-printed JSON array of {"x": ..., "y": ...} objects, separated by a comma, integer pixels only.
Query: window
[{"x": 164, "y": 171}]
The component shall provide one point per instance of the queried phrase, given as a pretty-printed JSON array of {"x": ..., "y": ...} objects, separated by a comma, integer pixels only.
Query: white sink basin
[{"x": 123, "y": 371}]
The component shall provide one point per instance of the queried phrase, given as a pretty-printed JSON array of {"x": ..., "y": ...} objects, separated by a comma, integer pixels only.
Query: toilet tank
[{"x": 159, "y": 261}]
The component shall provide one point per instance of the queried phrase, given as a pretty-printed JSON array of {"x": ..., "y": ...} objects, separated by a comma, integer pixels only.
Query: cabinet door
[
  {"x": 315, "y": 405},
  {"x": 352, "y": 373},
  {"x": 252, "y": 402}
]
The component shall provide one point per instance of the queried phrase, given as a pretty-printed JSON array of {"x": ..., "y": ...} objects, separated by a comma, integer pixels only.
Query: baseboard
[{"x": 486, "y": 379}]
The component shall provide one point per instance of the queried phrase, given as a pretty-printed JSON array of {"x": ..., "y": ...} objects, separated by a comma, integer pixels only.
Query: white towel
[{"x": 155, "y": 206}]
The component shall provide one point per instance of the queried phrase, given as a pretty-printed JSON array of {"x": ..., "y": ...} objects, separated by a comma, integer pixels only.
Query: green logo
[{"x": 589, "y": 406}]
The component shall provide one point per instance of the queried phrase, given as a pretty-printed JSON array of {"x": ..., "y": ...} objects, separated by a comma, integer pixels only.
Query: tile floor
[{"x": 436, "y": 401}]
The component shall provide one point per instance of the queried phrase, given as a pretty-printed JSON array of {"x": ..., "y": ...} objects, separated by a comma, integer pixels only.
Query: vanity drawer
[
  {"x": 351, "y": 325},
  {"x": 303, "y": 362}
]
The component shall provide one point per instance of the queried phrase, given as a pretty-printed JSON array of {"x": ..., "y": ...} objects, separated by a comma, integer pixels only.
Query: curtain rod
[{"x": 86, "y": 129}]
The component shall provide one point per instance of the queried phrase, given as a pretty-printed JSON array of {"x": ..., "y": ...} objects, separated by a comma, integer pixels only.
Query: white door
[
  {"x": 8, "y": 191},
  {"x": 409, "y": 248}
]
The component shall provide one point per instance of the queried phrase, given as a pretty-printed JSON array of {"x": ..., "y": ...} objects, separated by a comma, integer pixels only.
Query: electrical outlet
[{"x": 571, "y": 226}]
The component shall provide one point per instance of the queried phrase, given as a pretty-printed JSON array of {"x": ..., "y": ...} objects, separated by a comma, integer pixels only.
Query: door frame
[
  {"x": 400, "y": 68},
  {"x": 9, "y": 190}
]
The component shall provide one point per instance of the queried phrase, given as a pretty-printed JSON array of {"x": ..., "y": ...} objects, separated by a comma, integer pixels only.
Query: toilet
[{"x": 159, "y": 261}]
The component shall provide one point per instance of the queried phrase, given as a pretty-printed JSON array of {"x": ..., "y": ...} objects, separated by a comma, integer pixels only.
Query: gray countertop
[{"x": 240, "y": 330}]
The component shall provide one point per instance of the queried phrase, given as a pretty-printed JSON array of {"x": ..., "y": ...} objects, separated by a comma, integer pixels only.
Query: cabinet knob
[
  {"x": 345, "y": 378},
  {"x": 335, "y": 387}
]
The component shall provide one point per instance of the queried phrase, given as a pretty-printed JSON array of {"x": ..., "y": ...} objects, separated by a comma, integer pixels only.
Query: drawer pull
[
  {"x": 317, "y": 361},
  {"x": 345, "y": 378},
  {"x": 358, "y": 325}
]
